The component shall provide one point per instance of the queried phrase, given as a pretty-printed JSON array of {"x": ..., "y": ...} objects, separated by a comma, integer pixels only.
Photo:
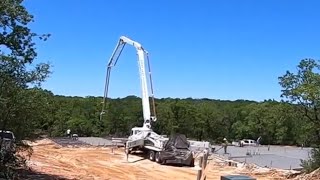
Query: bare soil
[{"x": 88, "y": 163}]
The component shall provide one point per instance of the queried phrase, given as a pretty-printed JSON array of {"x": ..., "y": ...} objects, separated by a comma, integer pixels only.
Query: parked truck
[
  {"x": 176, "y": 148},
  {"x": 7, "y": 140}
]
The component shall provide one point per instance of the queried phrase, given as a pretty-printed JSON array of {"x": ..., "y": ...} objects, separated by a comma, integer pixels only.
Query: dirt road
[{"x": 100, "y": 163}]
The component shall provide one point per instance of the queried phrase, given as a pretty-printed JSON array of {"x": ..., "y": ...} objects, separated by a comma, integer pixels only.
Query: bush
[
  {"x": 313, "y": 162},
  {"x": 11, "y": 160}
]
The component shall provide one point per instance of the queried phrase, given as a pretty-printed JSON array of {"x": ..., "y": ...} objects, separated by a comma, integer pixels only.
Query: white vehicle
[
  {"x": 248, "y": 142},
  {"x": 7, "y": 139},
  {"x": 159, "y": 148}
]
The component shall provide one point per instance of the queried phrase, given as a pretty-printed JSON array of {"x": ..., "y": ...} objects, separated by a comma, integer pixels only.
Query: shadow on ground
[
  {"x": 29, "y": 174},
  {"x": 145, "y": 156}
]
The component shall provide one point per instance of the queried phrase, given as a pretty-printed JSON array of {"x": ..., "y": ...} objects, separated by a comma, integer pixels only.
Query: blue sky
[{"x": 202, "y": 49}]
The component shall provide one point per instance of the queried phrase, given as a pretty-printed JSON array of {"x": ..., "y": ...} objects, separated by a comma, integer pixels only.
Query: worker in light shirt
[
  {"x": 225, "y": 145},
  {"x": 69, "y": 133}
]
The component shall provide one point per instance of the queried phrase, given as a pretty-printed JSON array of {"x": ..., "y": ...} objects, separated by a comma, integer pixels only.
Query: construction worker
[
  {"x": 225, "y": 145},
  {"x": 69, "y": 133},
  {"x": 258, "y": 141}
]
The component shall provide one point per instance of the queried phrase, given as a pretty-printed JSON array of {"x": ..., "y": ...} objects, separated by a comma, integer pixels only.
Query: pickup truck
[{"x": 7, "y": 140}]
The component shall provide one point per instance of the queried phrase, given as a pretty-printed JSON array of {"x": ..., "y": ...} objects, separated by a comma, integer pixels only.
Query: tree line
[{"x": 201, "y": 119}]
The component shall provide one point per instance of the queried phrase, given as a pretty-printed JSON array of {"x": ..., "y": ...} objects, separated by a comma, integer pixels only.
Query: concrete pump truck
[{"x": 163, "y": 150}]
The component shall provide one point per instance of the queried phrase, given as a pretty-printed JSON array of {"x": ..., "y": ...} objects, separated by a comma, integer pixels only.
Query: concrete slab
[
  {"x": 284, "y": 157},
  {"x": 96, "y": 141},
  {"x": 64, "y": 141},
  {"x": 272, "y": 161},
  {"x": 82, "y": 141}
]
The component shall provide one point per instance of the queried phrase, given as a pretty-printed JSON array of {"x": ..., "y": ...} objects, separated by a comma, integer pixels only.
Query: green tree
[
  {"x": 17, "y": 53},
  {"x": 17, "y": 71},
  {"x": 303, "y": 90}
]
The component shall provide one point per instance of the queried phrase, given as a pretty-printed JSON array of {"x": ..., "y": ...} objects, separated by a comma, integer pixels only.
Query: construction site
[
  {"x": 148, "y": 155},
  {"x": 211, "y": 113},
  {"x": 99, "y": 158}
]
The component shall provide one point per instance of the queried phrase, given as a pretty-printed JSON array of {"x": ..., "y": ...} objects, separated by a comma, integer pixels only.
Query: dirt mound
[
  {"x": 41, "y": 142},
  {"x": 222, "y": 166},
  {"x": 315, "y": 175}
]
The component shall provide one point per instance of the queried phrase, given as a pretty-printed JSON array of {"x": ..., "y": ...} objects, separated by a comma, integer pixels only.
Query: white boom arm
[{"x": 143, "y": 79}]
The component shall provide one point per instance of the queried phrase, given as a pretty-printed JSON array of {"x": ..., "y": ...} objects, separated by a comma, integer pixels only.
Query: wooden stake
[
  {"x": 200, "y": 170},
  {"x": 127, "y": 154},
  {"x": 204, "y": 165}
]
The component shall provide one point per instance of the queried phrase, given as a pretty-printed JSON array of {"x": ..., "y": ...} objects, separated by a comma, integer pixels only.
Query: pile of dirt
[
  {"x": 274, "y": 173},
  {"x": 315, "y": 175},
  {"x": 40, "y": 142},
  {"x": 252, "y": 169}
]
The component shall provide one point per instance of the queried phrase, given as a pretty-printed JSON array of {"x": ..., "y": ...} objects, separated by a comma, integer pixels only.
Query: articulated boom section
[
  {"x": 143, "y": 79},
  {"x": 144, "y": 89}
]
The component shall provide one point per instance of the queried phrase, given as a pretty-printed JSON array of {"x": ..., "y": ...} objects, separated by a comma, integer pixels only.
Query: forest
[
  {"x": 201, "y": 119},
  {"x": 30, "y": 111}
]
